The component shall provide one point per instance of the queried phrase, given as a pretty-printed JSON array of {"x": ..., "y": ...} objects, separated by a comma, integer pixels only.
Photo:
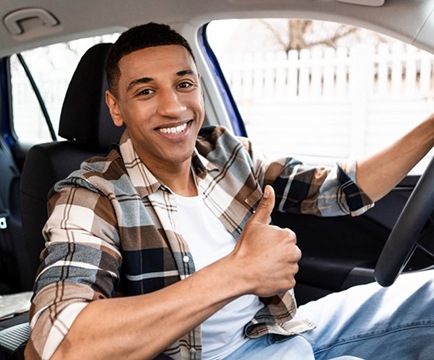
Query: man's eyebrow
[
  {"x": 143, "y": 80},
  {"x": 147, "y": 80},
  {"x": 185, "y": 72}
]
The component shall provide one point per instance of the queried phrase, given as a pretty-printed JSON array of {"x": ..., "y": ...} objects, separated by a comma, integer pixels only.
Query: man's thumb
[{"x": 265, "y": 207}]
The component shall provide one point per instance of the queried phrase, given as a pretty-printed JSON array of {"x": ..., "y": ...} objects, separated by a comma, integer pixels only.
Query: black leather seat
[
  {"x": 86, "y": 125},
  {"x": 11, "y": 239}
]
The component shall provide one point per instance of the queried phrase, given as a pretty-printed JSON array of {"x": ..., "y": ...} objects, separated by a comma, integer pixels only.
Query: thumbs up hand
[{"x": 268, "y": 255}]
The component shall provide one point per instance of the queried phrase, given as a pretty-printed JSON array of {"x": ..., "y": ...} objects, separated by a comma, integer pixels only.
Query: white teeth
[{"x": 174, "y": 130}]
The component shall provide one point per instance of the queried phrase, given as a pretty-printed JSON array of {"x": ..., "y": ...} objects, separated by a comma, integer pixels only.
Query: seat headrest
[{"x": 85, "y": 118}]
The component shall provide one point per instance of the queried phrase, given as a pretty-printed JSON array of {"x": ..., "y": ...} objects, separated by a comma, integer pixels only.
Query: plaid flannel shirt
[{"x": 111, "y": 229}]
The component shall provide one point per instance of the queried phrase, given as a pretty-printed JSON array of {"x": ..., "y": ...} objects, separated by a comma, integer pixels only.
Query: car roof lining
[{"x": 74, "y": 23}]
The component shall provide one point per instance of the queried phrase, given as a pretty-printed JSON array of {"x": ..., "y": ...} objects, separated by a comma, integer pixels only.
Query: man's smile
[{"x": 174, "y": 130}]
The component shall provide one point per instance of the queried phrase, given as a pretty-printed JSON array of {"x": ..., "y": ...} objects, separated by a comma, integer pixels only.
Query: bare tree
[{"x": 297, "y": 34}]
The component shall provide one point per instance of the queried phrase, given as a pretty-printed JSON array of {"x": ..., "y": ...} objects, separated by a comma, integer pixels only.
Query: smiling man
[
  {"x": 160, "y": 100},
  {"x": 163, "y": 248}
]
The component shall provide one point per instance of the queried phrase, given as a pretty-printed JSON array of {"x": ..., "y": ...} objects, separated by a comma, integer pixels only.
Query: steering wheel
[{"x": 404, "y": 236}]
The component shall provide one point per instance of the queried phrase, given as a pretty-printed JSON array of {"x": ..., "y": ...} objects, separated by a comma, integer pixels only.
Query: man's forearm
[
  {"x": 141, "y": 327},
  {"x": 379, "y": 173}
]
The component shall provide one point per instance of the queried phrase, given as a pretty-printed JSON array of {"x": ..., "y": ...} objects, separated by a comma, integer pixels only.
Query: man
[{"x": 165, "y": 246}]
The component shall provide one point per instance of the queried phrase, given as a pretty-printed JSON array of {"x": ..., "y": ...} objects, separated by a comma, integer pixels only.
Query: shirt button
[
  {"x": 193, "y": 351},
  {"x": 186, "y": 259}
]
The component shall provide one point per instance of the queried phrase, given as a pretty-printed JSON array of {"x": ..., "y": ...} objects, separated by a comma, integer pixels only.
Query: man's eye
[
  {"x": 145, "y": 92},
  {"x": 185, "y": 85}
]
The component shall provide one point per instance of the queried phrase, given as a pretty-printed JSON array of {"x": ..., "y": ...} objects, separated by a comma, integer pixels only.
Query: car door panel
[{"x": 339, "y": 252}]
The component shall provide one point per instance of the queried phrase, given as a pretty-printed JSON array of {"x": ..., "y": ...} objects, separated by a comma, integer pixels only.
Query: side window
[
  {"x": 322, "y": 91},
  {"x": 51, "y": 68}
]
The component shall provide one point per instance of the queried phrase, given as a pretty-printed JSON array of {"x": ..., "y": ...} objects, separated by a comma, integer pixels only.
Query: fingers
[
  {"x": 268, "y": 255},
  {"x": 265, "y": 207},
  {"x": 290, "y": 239}
]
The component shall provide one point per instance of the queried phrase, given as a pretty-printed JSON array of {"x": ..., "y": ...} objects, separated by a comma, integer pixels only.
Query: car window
[
  {"x": 52, "y": 68},
  {"x": 320, "y": 90}
]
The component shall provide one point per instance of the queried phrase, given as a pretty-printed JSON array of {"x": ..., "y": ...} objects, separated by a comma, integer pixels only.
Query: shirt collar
[{"x": 143, "y": 179}]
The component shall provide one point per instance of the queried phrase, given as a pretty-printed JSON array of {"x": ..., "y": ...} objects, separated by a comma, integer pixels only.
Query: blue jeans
[{"x": 365, "y": 322}]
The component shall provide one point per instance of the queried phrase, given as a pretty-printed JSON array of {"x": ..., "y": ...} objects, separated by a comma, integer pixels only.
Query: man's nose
[{"x": 170, "y": 103}]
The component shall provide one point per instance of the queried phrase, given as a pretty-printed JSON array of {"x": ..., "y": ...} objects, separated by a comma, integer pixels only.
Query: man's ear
[{"x": 113, "y": 106}]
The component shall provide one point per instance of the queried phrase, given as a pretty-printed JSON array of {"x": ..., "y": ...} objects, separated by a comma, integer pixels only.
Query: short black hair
[{"x": 137, "y": 38}]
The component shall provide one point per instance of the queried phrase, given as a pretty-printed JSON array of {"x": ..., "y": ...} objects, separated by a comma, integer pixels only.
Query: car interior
[
  {"x": 28, "y": 169},
  {"x": 86, "y": 125}
]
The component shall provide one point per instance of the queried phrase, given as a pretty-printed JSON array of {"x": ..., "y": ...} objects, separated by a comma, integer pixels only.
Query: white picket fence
[
  {"x": 328, "y": 72},
  {"x": 326, "y": 102}
]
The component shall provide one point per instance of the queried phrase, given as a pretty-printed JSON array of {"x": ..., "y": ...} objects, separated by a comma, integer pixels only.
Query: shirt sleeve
[
  {"x": 317, "y": 190},
  {"x": 320, "y": 190},
  {"x": 81, "y": 264}
]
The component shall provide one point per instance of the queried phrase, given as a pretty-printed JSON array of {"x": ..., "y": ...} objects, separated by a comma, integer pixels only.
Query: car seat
[
  {"x": 88, "y": 130},
  {"x": 86, "y": 125},
  {"x": 11, "y": 243}
]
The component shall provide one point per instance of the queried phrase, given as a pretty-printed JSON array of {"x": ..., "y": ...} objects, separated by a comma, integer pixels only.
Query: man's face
[{"x": 161, "y": 102}]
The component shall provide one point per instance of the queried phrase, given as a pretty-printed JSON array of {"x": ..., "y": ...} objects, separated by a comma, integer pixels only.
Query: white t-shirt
[{"x": 209, "y": 241}]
